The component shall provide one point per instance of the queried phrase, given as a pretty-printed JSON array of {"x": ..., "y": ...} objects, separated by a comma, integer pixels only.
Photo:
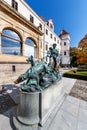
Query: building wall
[
  {"x": 16, "y": 24},
  {"x": 65, "y": 48},
  {"x": 26, "y": 11},
  {"x": 43, "y": 42},
  {"x": 8, "y": 75}
]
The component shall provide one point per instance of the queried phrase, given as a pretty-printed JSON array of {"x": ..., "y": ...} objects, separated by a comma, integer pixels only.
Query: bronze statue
[
  {"x": 40, "y": 75},
  {"x": 54, "y": 57}
]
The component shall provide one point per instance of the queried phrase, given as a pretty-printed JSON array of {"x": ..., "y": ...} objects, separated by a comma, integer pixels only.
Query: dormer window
[
  {"x": 15, "y": 5},
  {"x": 40, "y": 25},
  {"x": 54, "y": 38},
  {"x": 46, "y": 31},
  {"x": 46, "y": 47},
  {"x": 48, "y": 23},
  {"x": 51, "y": 36},
  {"x": 64, "y": 53},
  {"x": 31, "y": 19},
  {"x": 64, "y": 43},
  {"x": 57, "y": 41},
  {"x": 51, "y": 26}
]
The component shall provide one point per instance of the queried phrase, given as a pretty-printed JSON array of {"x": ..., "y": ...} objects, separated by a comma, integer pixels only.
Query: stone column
[
  {"x": 23, "y": 48},
  {"x": 0, "y": 44},
  {"x": 39, "y": 48},
  {"x": 23, "y": 44}
]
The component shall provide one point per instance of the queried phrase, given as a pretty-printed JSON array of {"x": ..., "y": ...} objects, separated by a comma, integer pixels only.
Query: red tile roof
[
  {"x": 43, "y": 18},
  {"x": 63, "y": 32}
]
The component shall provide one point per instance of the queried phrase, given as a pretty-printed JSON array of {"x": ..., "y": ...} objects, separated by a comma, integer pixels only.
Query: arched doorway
[
  {"x": 10, "y": 42},
  {"x": 30, "y": 47}
]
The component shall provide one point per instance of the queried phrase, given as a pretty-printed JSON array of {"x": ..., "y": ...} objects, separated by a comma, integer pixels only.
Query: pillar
[
  {"x": 23, "y": 48},
  {"x": 23, "y": 45},
  {"x": 39, "y": 48},
  {"x": 0, "y": 44}
]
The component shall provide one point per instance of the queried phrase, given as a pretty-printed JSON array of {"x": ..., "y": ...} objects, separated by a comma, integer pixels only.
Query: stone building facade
[
  {"x": 65, "y": 48},
  {"x": 24, "y": 33}
]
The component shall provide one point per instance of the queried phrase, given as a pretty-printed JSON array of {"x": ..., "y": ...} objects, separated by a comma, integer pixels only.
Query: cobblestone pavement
[{"x": 79, "y": 90}]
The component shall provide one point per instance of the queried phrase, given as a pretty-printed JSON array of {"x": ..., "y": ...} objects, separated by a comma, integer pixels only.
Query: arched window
[
  {"x": 30, "y": 47},
  {"x": 11, "y": 42}
]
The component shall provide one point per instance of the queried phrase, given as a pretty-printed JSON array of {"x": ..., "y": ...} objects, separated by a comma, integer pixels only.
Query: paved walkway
[
  {"x": 72, "y": 114},
  {"x": 79, "y": 90}
]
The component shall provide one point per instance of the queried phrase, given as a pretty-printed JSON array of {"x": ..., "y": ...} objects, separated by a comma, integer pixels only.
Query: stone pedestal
[
  {"x": 35, "y": 108},
  {"x": 27, "y": 113},
  {"x": 49, "y": 99}
]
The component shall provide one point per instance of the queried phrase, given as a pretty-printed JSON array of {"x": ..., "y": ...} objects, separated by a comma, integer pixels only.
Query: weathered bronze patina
[{"x": 41, "y": 75}]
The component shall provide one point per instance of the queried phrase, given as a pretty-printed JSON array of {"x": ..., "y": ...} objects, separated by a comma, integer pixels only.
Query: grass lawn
[{"x": 82, "y": 73}]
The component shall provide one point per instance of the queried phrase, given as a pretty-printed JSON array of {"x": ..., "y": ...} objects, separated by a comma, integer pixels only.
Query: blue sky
[{"x": 70, "y": 15}]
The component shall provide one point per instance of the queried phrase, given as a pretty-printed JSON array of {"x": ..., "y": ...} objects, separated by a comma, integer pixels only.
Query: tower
[{"x": 65, "y": 48}]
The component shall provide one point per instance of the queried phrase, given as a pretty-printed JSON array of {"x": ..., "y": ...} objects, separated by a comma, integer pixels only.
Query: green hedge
[
  {"x": 71, "y": 74},
  {"x": 82, "y": 69}
]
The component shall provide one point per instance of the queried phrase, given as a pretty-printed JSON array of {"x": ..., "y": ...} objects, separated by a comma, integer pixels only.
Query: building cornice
[
  {"x": 43, "y": 22},
  {"x": 17, "y": 16}
]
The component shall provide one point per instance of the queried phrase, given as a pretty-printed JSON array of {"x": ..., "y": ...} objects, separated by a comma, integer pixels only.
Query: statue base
[{"x": 35, "y": 108}]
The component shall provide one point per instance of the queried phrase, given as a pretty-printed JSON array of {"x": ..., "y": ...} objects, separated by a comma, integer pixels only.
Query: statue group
[{"x": 41, "y": 75}]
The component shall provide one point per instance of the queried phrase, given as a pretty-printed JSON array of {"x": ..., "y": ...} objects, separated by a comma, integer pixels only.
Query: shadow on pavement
[{"x": 6, "y": 101}]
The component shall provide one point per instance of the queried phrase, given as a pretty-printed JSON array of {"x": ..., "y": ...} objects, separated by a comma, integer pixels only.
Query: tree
[
  {"x": 82, "y": 57},
  {"x": 73, "y": 54},
  {"x": 79, "y": 55}
]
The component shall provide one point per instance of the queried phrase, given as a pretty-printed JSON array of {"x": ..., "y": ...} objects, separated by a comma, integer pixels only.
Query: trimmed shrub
[
  {"x": 80, "y": 69},
  {"x": 73, "y": 74}
]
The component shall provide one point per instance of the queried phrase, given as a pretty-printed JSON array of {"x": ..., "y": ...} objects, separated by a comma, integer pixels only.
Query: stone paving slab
[
  {"x": 6, "y": 101},
  {"x": 68, "y": 84},
  {"x": 82, "y": 126},
  {"x": 63, "y": 121},
  {"x": 72, "y": 114},
  {"x": 79, "y": 90}
]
